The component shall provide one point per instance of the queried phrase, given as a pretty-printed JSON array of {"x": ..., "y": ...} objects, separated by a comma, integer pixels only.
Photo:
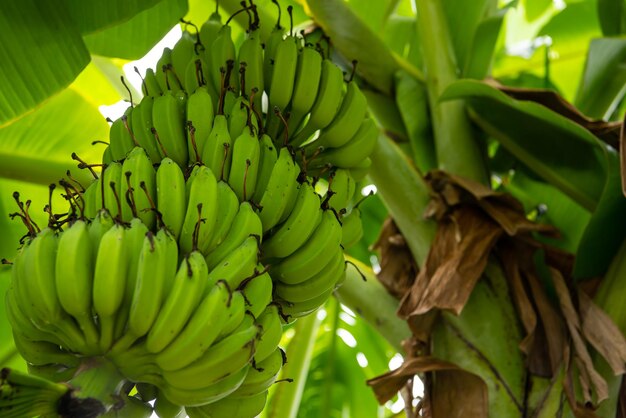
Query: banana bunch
[
  {"x": 217, "y": 217},
  {"x": 23, "y": 395}
]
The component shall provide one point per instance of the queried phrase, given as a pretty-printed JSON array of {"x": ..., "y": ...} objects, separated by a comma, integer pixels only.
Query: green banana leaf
[
  {"x": 42, "y": 52},
  {"x": 612, "y": 14},
  {"x": 92, "y": 16},
  {"x": 355, "y": 41},
  {"x": 603, "y": 84},
  {"x": 133, "y": 38},
  {"x": 555, "y": 148}
]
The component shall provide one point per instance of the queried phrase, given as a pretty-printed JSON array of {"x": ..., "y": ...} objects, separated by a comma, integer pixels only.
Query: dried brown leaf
[
  {"x": 590, "y": 378},
  {"x": 397, "y": 267},
  {"x": 602, "y": 334},
  {"x": 456, "y": 261},
  {"x": 454, "y": 392}
]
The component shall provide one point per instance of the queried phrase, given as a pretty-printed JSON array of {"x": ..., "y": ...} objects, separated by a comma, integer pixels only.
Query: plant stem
[
  {"x": 456, "y": 148},
  {"x": 405, "y": 194},
  {"x": 284, "y": 401},
  {"x": 371, "y": 301},
  {"x": 98, "y": 378},
  {"x": 39, "y": 171},
  {"x": 332, "y": 308}
]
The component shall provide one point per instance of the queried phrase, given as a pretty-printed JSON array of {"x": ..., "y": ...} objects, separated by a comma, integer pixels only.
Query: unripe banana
[
  {"x": 238, "y": 117},
  {"x": 282, "y": 184},
  {"x": 171, "y": 196},
  {"x": 200, "y": 332},
  {"x": 251, "y": 53},
  {"x": 97, "y": 228},
  {"x": 231, "y": 406},
  {"x": 275, "y": 38},
  {"x": 298, "y": 227},
  {"x": 257, "y": 292},
  {"x": 164, "y": 408},
  {"x": 169, "y": 127},
  {"x": 151, "y": 85},
  {"x": 110, "y": 188},
  {"x": 245, "y": 165},
  {"x": 306, "y": 84},
  {"x": 228, "y": 206},
  {"x": 359, "y": 147},
  {"x": 74, "y": 285},
  {"x": 268, "y": 158},
  {"x": 89, "y": 197},
  {"x": 326, "y": 104},
  {"x": 260, "y": 379},
  {"x": 40, "y": 353},
  {"x": 209, "y": 30},
  {"x": 280, "y": 88},
  {"x": 199, "y": 220},
  {"x": 200, "y": 118},
  {"x": 237, "y": 265},
  {"x": 342, "y": 187},
  {"x": 222, "y": 51},
  {"x": 160, "y": 71},
  {"x": 121, "y": 138},
  {"x": 347, "y": 122},
  {"x": 182, "y": 53},
  {"x": 217, "y": 152},
  {"x": 314, "y": 255},
  {"x": 236, "y": 314},
  {"x": 246, "y": 223},
  {"x": 184, "y": 296},
  {"x": 134, "y": 187},
  {"x": 224, "y": 358},
  {"x": 351, "y": 228},
  {"x": 271, "y": 333},
  {"x": 142, "y": 128},
  {"x": 109, "y": 282}
]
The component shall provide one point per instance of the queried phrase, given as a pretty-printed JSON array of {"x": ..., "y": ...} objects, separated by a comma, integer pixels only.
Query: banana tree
[{"x": 496, "y": 232}]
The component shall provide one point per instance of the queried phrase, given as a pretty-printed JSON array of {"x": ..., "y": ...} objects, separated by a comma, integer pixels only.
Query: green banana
[
  {"x": 342, "y": 187},
  {"x": 160, "y": 71},
  {"x": 257, "y": 291},
  {"x": 238, "y": 265},
  {"x": 251, "y": 53},
  {"x": 164, "y": 408},
  {"x": 142, "y": 128},
  {"x": 89, "y": 197},
  {"x": 217, "y": 152},
  {"x": 299, "y": 309},
  {"x": 268, "y": 158},
  {"x": 259, "y": 379},
  {"x": 245, "y": 164},
  {"x": 200, "y": 117},
  {"x": 121, "y": 138},
  {"x": 199, "y": 222},
  {"x": 327, "y": 102},
  {"x": 235, "y": 316},
  {"x": 222, "y": 55},
  {"x": 171, "y": 196},
  {"x": 245, "y": 224},
  {"x": 223, "y": 358},
  {"x": 151, "y": 87},
  {"x": 74, "y": 285},
  {"x": 110, "y": 189},
  {"x": 360, "y": 147},
  {"x": 306, "y": 84},
  {"x": 226, "y": 211},
  {"x": 271, "y": 333},
  {"x": 351, "y": 228},
  {"x": 169, "y": 128},
  {"x": 20, "y": 320},
  {"x": 281, "y": 184},
  {"x": 156, "y": 270},
  {"x": 183, "y": 52},
  {"x": 97, "y": 228},
  {"x": 231, "y": 406},
  {"x": 314, "y": 285},
  {"x": 109, "y": 281},
  {"x": 280, "y": 88},
  {"x": 360, "y": 170},
  {"x": 139, "y": 179},
  {"x": 295, "y": 231},
  {"x": 207, "y": 394},
  {"x": 107, "y": 158},
  {"x": 185, "y": 294},
  {"x": 210, "y": 29},
  {"x": 203, "y": 327},
  {"x": 314, "y": 255},
  {"x": 40, "y": 353}
]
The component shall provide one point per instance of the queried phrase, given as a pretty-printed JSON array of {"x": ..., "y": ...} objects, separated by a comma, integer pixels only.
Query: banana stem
[
  {"x": 98, "y": 379},
  {"x": 39, "y": 171},
  {"x": 405, "y": 194},
  {"x": 457, "y": 150},
  {"x": 332, "y": 307},
  {"x": 285, "y": 397},
  {"x": 371, "y": 301}
]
